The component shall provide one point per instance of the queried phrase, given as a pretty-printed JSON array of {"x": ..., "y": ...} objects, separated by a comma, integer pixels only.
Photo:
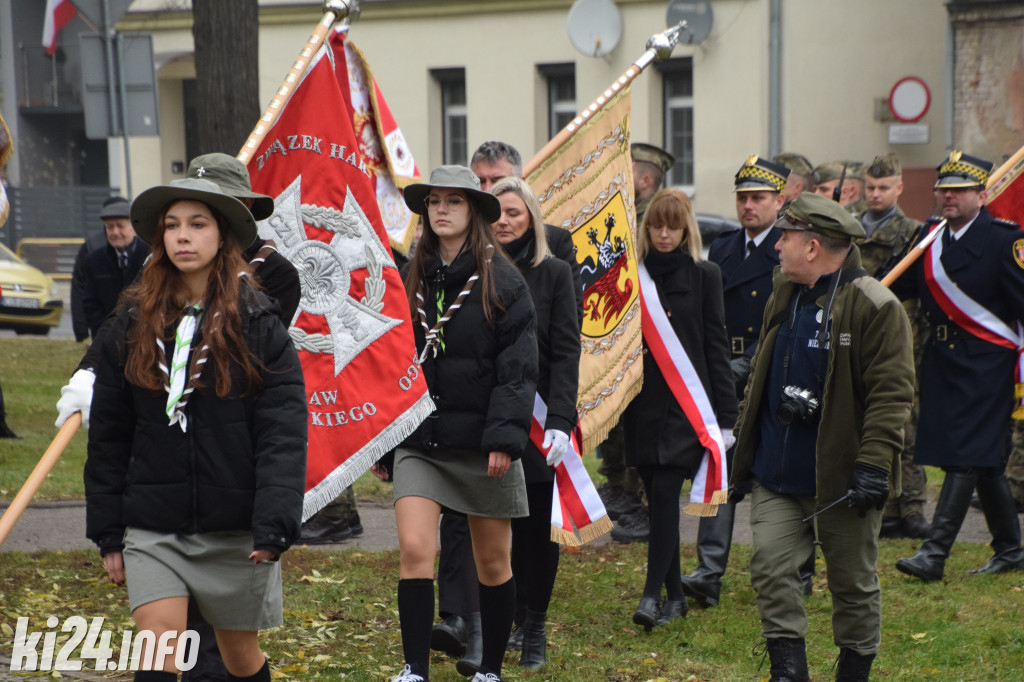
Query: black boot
[
  {"x": 647, "y": 613},
  {"x": 789, "y": 659},
  {"x": 470, "y": 663},
  {"x": 853, "y": 667},
  {"x": 449, "y": 636},
  {"x": 714, "y": 539},
  {"x": 535, "y": 640},
  {"x": 515, "y": 640},
  {"x": 671, "y": 610},
  {"x": 998, "y": 505},
  {"x": 930, "y": 561}
]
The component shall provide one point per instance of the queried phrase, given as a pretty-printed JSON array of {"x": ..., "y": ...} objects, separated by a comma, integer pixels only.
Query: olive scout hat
[
  {"x": 814, "y": 213},
  {"x": 827, "y": 172},
  {"x": 146, "y": 208},
  {"x": 760, "y": 175},
  {"x": 961, "y": 170},
  {"x": 641, "y": 151},
  {"x": 453, "y": 177},
  {"x": 233, "y": 178},
  {"x": 884, "y": 166},
  {"x": 796, "y": 163},
  {"x": 115, "y": 207}
]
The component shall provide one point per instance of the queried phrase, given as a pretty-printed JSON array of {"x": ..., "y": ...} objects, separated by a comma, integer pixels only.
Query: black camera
[{"x": 797, "y": 403}]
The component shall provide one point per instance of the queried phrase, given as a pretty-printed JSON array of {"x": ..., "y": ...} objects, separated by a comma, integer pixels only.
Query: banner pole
[
  {"x": 38, "y": 475},
  {"x": 334, "y": 11},
  {"x": 659, "y": 47}
]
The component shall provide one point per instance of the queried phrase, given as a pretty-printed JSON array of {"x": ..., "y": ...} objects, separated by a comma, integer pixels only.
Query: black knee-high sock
[
  {"x": 155, "y": 676},
  {"x": 663, "y": 546},
  {"x": 416, "y": 614},
  {"x": 497, "y": 607},
  {"x": 261, "y": 675}
]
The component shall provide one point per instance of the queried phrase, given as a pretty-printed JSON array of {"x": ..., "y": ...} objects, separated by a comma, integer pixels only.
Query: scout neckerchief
[
  {"x": 175, "y": 384},
  {"x": 432, "y": 334},
  {"x": 574, "y": 501},
  {"x": 973, "y": 317},
  {"x": 711, "y": 484}
]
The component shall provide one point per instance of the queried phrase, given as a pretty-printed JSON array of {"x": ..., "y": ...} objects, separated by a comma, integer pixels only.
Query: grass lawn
[{"x": 341, "y": 619}]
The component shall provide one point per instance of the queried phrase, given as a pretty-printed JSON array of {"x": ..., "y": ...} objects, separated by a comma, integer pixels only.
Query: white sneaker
[
  {"x": 489, "y": 677},
  {"x": 407, "y": 676}
]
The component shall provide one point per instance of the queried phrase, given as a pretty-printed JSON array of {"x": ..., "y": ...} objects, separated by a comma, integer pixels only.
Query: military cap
[
  {"x": 962, "y": 170},
  {"x": 884, "y": 166},
  {"x": 827, "y": 172},
  {"x": 796, "y": 163},
  {"x": 760, "y": 175},
  {"x": 814, "y": 213},
  {"x": 115, "y": 207},
  {"x": 232, "y": 177},
  {"x": 641, "y": 151}
]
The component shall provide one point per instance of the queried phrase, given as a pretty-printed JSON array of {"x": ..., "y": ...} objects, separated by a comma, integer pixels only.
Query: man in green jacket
[{"x": 831, "y": 386}]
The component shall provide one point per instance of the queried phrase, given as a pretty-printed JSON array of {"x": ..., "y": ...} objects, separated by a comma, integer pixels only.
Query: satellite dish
[
  {"x": 697, "y": 15},
  {"x": 594, "y": 26}
]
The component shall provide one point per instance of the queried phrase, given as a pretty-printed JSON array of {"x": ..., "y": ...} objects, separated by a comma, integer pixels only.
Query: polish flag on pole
[{"x": 58, "y": 13}]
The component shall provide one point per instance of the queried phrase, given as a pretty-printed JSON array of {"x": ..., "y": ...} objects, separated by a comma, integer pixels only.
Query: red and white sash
[
  {"x": 974, "y": 317},
  {"x": 575, "y": 501},
  {"x": 711, "y": 484}
]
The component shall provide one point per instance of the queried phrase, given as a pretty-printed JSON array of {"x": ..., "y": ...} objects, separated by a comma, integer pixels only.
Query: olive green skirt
[{"x": 458, "y": 481}]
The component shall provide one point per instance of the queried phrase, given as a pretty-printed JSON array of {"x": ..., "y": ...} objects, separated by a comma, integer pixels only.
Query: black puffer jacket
[
  {"x": 558, "y": 344},
  {"x": 240, "y": 466},
  {"x": 484, "y": 380}
]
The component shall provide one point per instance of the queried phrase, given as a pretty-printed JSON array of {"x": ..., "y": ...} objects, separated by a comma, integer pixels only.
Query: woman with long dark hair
[
  {"x": 197, "y": 448},
  {"x": 521, "y": 233},
  {"x": 475, "y": 337},
  {"x": 660, "y": 440}
]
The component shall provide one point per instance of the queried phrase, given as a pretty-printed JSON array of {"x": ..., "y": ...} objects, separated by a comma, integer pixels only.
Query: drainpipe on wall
[
  {"x": 950, "y": 82},
  {"x": 774, "y": 78}
]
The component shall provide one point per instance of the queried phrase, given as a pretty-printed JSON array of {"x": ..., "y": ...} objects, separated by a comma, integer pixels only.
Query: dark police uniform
[{"x": 967, "y": 383}]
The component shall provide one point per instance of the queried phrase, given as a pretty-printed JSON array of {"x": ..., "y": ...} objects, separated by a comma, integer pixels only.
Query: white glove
[
  {"x": 728, "y": 438},
  {"x": 558, "y": 441},
  {"x": 76, "y": 397}
]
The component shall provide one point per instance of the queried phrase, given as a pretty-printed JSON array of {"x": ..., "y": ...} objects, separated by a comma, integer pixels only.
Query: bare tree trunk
[{"x": 226, "y": 35}]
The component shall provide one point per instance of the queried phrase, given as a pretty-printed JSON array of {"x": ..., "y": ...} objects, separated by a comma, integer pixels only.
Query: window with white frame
[
  {"x": 677, "y": 100},
  {"x": 561, "y": 86},
  {"x": 453, "y": 115}
]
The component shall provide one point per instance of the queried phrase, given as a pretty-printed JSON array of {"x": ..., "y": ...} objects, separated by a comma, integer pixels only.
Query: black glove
[
  {"x": 740, "y": 369},
  {"x": 869, "y": 487}
]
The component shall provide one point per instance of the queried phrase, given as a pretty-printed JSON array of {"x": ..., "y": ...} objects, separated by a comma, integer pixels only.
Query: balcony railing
[{"x": 49, "y": 81}]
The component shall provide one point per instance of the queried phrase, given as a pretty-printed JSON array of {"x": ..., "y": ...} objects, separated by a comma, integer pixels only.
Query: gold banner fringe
[
  {"x": 1018, "y": 412},
  {"x": 588, "y": 533},
  {"x": 592, "y": 440},
  {"x": 701, "y": 508}
]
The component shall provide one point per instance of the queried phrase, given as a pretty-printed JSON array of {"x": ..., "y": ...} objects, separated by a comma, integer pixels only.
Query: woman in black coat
[
  {"x": 520, "y": 231},
  {"x": 196, "y": 461},
  {"x": 660, "y": 441},
  {"x": 475, "y": 335}
]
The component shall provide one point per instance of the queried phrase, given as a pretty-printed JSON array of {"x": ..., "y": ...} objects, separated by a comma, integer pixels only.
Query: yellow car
[{"x": 29, "y": 303}]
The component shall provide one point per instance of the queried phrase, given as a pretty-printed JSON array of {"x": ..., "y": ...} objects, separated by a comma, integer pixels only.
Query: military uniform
[
  {"x": 1015, "y": 465},
  {"x": 903, "y": 516},
  {"x": 967, "y": 383}
]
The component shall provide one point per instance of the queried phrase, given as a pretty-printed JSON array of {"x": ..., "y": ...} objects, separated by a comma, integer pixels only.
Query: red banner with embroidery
[
  {"x": 711, "y": 484},
  {"x": 352, "y": 330},
  {"x": 974, "y": 317},
  {"x": 575, "y": 502},
  {"x": 381, "y": 143}
]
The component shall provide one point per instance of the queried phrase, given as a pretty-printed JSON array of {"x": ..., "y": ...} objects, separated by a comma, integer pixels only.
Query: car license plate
[{"x": 12, "y": 302}]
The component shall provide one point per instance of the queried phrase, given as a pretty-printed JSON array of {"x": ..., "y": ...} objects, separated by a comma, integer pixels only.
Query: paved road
[{"x": 61, "y": 525}]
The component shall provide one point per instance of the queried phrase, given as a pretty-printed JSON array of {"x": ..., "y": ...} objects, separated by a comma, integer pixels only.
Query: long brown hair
[
  {"x": 160, "y": 297},
  {"x": 672, "y": 207},
  {"x": 480, "y": 244}
]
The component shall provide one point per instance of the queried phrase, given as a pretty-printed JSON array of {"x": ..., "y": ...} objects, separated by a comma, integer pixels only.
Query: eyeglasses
[{"x": 452, "y": 202}]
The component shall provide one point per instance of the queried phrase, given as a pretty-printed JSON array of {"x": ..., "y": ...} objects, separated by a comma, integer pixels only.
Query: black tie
[
  {"x": 947, "y": 238},
  {"x": 122, "y": 260},
  {"x": 750, "y": 247}
]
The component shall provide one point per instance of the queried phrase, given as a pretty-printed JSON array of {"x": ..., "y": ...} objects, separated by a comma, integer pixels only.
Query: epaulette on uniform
[{"x": 1008, "y": 224}]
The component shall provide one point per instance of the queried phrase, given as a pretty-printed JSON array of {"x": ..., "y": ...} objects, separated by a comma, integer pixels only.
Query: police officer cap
[
  {"x": 796, "y": 163},
  {"x": 641, "y": 151},
  {"x": 760, "y": 175},
  {"x": 885, "y": 166},
  {"x": 827, "y": 172},
  {"x": 814, "y": 213},
  {"x": 962, "y": 170}
]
